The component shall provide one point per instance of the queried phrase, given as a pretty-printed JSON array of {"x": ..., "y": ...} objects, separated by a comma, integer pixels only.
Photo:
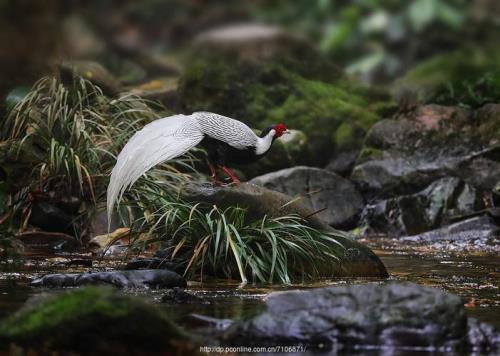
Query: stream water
[{"x": 474, "y": 278}]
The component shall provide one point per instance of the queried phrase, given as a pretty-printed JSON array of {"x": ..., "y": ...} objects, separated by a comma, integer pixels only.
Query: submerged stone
[
  {"x": 480, "y": 228},
  {"x": 92, "y": 320},
  {"x": 154, "y": 278},
  {"x": 392, "y": 316}
]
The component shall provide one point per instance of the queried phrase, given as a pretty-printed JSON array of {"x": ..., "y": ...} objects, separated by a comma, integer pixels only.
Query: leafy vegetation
[
  {"x": 378, "y": 38},
  {"x": 62, "y": 140},
  {"x": 224, "y": 242}
]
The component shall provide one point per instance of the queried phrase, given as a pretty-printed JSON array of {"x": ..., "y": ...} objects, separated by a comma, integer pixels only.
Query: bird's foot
[{"x": 234, "y": 179}]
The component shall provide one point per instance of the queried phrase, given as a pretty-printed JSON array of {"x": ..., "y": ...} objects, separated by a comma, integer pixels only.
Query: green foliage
[
  {"x": 376, "y": 38},
  {"x": 207, "y": 240},
  {"x": 469, "y": 76},
  {"x": 63, "y": 139}
]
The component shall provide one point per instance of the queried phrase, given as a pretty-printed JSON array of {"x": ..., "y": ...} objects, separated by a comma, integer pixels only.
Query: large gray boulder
[
  {"x": 480, "y": 229},
  {"x": 336, "y": 199},
  {"x": 389, "y": 317},
  {"x": 358, "y": 260},
  {"x": 441, "y": 201},
  {"x": 404, "y": 155}
]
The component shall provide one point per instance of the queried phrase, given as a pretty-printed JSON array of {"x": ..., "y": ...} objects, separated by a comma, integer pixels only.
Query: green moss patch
[
  {"x": 92, "y": 319},
  {"x": 333, "y": 114}
]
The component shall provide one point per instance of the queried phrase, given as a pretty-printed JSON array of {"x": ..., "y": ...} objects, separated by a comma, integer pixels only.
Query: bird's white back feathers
[
  {"x": 157, "y": 142},
  {"x": 233, "y": 132},
  {"x": 170, "y": 137}
]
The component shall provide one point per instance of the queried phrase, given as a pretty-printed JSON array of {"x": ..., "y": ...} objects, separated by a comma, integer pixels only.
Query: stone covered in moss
[
  {"x": 331, "y": 110},
  {"x": 94, "y": 321}
]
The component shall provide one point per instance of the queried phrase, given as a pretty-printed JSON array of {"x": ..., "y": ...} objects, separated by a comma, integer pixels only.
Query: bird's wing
[
  {"x": 222, "y": 128},
  {"x": 155, "y": 143}
]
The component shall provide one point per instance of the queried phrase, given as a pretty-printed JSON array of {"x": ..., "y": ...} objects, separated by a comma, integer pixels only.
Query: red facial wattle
[{"x": 280, "y": 129}]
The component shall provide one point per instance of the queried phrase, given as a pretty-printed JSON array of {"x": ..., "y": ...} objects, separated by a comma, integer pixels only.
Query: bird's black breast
[{"x": 222, "y": 154}]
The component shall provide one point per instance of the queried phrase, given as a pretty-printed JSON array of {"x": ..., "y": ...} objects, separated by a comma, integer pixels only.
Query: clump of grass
[
  {"x": 64, "y": 139},
  {"x": 207, "y": 240}
]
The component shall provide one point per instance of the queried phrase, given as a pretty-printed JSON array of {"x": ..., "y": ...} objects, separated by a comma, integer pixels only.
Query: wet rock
[
  {"x": 343, "y": 162},
  {"x": 392, "y": 316},
  {"x": 154, "y": 278},
  {"x": 180, "y": 296},
  {"x": 151, "y": 263},
  {"x": 258, "y": 201},
  {"x": 336, "y": 199},
  {"x": 92, "y": 321},
  {"x": 51, "y": 217},
  {"x": 441, "y": 201},
  {"x": 483, "y": 338},
  {"x": 46, "y": 240},
  {"x": 390, "y": 133},
  {"x": 94, "y": 72},
  {"x": 404, "y": 156},
  {"x": 477, "y": 229}
]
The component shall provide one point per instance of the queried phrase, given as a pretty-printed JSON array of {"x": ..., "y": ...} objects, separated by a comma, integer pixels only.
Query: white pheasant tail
[
  {"x": 170, "y": 137},
  {"x": 157, "y": 142}
]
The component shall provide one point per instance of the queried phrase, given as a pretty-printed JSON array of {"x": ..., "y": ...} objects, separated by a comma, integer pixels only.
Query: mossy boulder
[
  {"x": 93, "y": 321},
  {"x": 470, "y": 76},
  {"x": 306, "y": 92}
]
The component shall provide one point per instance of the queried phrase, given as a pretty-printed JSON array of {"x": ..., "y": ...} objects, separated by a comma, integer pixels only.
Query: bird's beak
[{"x": 287, "y": 132}]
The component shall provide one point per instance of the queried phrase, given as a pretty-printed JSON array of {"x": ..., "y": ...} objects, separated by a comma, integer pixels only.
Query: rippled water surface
[{"x": 474, "y": 278}]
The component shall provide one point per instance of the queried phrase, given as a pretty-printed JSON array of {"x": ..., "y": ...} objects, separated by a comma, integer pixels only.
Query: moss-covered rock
[
  {"x": 93, "y": 321},
  {"x": 331, "y": 110},
  {"x": 470, "y": 76}
]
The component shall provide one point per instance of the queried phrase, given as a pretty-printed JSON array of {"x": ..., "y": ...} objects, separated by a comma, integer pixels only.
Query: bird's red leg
[
  {"x": 231, "y": 174},
  {"x": 213, "y": 173}
]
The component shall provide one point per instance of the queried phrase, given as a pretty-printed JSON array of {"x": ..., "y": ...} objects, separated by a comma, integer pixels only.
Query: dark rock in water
[
  {"x": 50, "y": 217},
  {"x": 93, "y": 321},
  {"x": 151, "y": 263},
  {"x": 392, "y": 316},
  {"x": 335, "y": 199},
  {"x": 483, "y": 338},
  {"x": 47, "y": 240},
  {"x": 180, "y": 296},
  {"x": 428, "y": 209},
  {"x": 358, "y": 260},
  {"x": 157, "y": 278},
  {"x": 481, "y": 228}
]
